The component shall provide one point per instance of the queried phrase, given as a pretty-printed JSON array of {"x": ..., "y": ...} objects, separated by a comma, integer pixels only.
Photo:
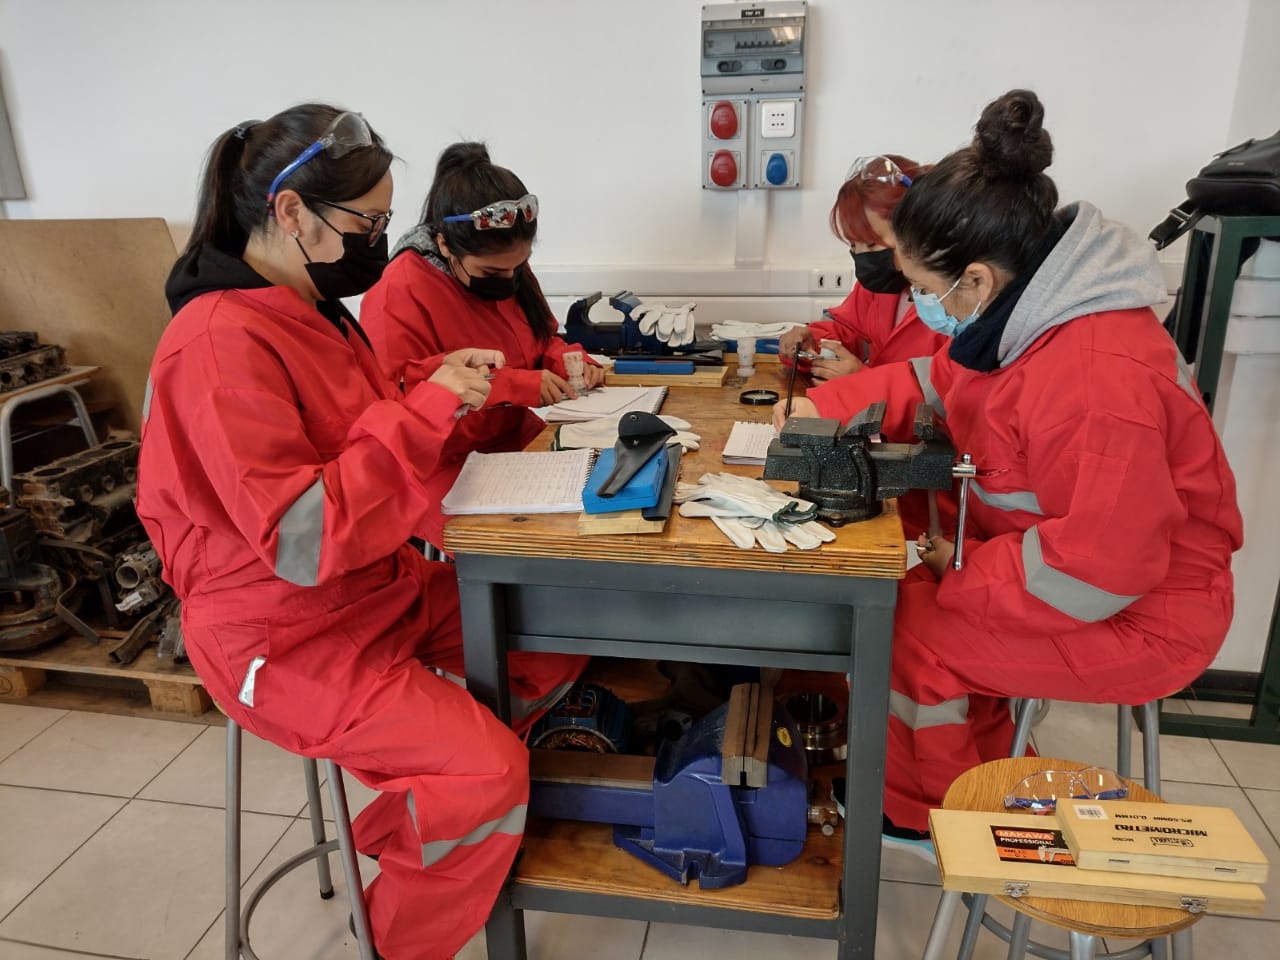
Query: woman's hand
[
  {"x": 845, "y": 362},
  {"x": 935, "y": 553},
  {"x": 555, "y": 389},
  {"x": 801, "y": 337},
  {"x": 477, "y": 359},
  {"x": 593, "y": 375},
  {"x": 800, "y": 407},
  {"x": 466, "y": 383}
]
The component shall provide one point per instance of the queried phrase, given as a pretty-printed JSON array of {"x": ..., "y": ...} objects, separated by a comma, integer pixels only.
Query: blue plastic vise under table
[{"x": 688, "y": 823}]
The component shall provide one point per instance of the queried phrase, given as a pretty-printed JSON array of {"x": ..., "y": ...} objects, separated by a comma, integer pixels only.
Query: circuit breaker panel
[{"x": 753, "y": 69}]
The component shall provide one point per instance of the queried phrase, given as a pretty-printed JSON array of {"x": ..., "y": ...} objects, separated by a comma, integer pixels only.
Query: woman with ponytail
[
  {"x": 1097, "y": 555},
  {"x": 280, "y": 478},
  {"x": 462, "y": 277}
]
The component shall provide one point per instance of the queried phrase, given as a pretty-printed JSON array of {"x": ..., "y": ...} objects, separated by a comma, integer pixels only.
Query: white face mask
[{"x": 935, "y": 316}]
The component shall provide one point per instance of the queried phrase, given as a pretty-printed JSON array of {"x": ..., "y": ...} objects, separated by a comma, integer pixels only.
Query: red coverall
[
  {"x": 280, "y": 477},
  {"x": 1098, "y": 550},
  {"x": 417, "y": 310},
  {"x": 864, "y": 324}
]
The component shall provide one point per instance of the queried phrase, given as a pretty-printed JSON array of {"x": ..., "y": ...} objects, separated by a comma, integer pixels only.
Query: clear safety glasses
[
  {"x": 500, "y": 215},
  {"x": 377, "y": 221},
  {"x": 880, "y": 169},
  {"x": 349, "y": 131},
  {"x": 1041, "y": 791}
]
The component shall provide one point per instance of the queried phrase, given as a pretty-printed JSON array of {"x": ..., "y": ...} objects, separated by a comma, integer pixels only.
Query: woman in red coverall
[
  {"x": 461, "y": 277},
  {"x": 876, "y": 323},
  {"x": 281, "y": 477},
  {"x": 1097, "y": 557}
]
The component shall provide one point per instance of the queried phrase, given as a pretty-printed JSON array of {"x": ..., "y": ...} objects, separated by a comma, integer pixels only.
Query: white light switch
[{"x": 777, "y": 119}]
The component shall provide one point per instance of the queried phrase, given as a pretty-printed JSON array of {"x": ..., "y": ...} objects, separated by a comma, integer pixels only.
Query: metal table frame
[{"x": 705, "y": 615}]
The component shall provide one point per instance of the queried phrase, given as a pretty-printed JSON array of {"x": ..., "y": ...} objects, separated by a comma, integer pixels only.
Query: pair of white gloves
[
  {"x": 745, "y": 509},
  {"x": 738, "y": 330},
  {"x": 672, "y": 325},
  {"x": 603, "y": 433}
]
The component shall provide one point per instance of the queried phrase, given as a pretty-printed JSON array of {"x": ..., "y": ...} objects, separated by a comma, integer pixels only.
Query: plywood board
[
  {"x": 97, "y": 288},
  {"x": 701, "y": 377}
]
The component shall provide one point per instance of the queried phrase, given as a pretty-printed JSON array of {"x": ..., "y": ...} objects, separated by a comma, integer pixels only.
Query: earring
[{"x": 294, "y": 234}]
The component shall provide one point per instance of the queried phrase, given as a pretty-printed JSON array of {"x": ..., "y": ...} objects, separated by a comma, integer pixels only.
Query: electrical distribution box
[{"x": 753, "y": 67}]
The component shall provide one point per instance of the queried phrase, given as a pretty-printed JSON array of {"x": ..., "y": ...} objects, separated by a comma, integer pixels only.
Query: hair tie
[{"x": 242, "y": 131}]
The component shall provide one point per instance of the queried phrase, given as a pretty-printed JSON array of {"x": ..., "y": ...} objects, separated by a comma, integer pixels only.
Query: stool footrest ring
[{"x": 269, "y": 881}]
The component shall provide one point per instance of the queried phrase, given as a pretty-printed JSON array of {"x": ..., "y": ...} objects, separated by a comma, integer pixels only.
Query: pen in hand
[
  {"x": 465, "y": 408},
  {"x": 791, "y": 382}
]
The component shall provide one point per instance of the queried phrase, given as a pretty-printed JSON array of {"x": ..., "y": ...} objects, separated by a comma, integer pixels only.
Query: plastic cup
[
  {"x": 746, "y": 358},
  {"x": 573, "y": 365}
]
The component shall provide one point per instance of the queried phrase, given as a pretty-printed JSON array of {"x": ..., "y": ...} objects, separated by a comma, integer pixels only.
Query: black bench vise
[{"x": 846, "y": 475}]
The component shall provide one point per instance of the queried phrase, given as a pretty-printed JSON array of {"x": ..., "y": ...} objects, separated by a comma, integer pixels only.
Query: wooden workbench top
[{"x": 872, "y": 548}]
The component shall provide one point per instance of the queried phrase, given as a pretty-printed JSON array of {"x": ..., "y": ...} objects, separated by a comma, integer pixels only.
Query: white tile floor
[{"x": 111, "y": 846}]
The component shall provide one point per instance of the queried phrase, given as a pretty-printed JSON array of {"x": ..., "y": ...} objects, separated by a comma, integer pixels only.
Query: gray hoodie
[{"x": 1098, "y": 265}]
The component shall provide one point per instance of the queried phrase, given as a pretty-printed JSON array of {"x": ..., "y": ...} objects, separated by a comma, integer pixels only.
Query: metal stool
[
  {"x": 237, "y": 923},
  {"x": 1083, "y": 946}
]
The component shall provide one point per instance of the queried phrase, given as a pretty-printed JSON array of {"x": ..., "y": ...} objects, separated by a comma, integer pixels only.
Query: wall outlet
[
  {"x": 777, "y": 119},
  {"x": 830, "y": 282}
]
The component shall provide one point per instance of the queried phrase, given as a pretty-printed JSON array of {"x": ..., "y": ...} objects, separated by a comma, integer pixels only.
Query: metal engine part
[
  {"x": 30, "y": 592},
  {"x": 24, "y": 369},
  {"x": 133, "y": 569},
  {"x": 77, "y": 497},
  {"x": 14, "y": 342},
  {"x": 588, "y": 718},
  {"x": 821, "y": 722}
]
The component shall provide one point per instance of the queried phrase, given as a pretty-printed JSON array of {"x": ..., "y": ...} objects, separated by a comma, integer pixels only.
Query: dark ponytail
[
  {"x": 244, "y": 161},
  {"x": 989, "y": 202},
  {"x": 466, "y": 180}
]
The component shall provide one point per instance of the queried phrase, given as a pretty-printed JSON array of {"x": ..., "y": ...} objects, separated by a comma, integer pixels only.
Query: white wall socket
[
  {"x": 830, "y": 282},
  {"x": 777, "y": 119}
]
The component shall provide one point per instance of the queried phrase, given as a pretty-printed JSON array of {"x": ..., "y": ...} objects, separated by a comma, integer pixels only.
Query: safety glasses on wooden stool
[{"x": 1041, "y": 791}]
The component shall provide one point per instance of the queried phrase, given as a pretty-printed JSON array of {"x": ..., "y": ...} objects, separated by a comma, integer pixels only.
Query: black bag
[{"x": 1242, "y": 181}]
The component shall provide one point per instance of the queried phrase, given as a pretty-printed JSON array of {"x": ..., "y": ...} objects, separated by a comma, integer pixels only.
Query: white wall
[{"x": 596, "y": 104}]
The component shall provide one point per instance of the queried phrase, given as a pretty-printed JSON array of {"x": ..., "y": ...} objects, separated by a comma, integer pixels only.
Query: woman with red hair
[{"x": 876, "y": 323}]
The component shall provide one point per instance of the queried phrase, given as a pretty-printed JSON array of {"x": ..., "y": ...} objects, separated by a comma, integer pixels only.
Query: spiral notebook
[
  {"x": 548, "y": 481},
  {"x": 605, "y": 402}
]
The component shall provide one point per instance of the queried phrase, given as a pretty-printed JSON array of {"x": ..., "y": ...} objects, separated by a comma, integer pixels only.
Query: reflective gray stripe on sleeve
[
  {"x": 921, "y": 366},
  {"x": 1018, "y": 500},
  {"x": 146, "y": 401},
  {"x": 1185, "y": 380},
  {"x": 1064, "y": 592},
  {"x": 512, "y": 823},
  {"x": 522, "y": 709},
  {"x": 301, "y": 530},
  {"x": 917, "y": 716}
]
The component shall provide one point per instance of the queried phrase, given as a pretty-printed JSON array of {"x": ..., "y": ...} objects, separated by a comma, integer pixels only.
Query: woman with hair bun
[
  {"x": 461, "y": 277},
  {"x": 1097, "y": 556}
]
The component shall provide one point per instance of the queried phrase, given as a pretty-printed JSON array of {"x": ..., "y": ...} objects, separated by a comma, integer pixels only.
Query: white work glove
[
  {"x": 743, "y": 509},
  {"x": 672, "y": 325},
  {"x": 603, "y": 433},
  {"x": 737, "y": 330}
]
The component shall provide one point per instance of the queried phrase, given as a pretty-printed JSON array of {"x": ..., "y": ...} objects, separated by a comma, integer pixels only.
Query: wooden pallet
[{"x": 170, "y": 688}]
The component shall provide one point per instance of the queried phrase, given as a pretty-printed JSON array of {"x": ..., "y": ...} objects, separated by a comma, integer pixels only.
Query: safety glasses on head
[
  {"x": 1041, "y": 791},
  {"x": 377, "y": 221},
  {"x": 349, "y": 131},
  {"x": 879, "y": 168},
  {"x": 500, "y": 215}
]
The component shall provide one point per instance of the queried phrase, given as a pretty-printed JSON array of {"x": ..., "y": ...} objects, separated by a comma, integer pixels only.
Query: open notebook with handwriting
[{"x": 541, "y": 481}]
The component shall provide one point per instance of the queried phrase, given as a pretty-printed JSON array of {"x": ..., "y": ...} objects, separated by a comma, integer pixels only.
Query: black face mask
[
  {"x": 876, "y": 271},
  {"x": 493, "y": 288},
  {"x": 354, "y": 272}
]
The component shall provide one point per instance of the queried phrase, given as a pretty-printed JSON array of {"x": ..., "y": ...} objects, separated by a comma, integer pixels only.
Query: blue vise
[{"x": 729, "y": 793}]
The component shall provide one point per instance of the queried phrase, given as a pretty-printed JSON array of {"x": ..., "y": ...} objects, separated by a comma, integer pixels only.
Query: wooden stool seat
[{"x": 984, "y": 788}]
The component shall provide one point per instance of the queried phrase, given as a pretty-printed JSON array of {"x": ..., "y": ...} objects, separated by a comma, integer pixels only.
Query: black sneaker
[
  {"x": 916, "y": 842},
  {"x": 351, "y": 925}
]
